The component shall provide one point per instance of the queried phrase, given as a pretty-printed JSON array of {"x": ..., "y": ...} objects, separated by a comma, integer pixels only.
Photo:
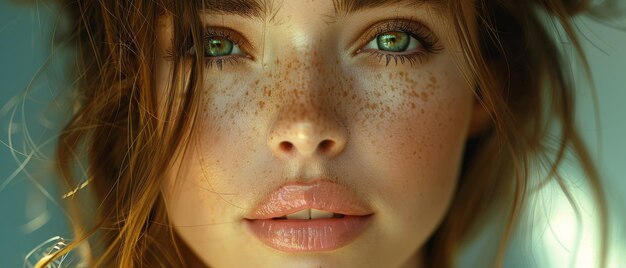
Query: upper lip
[{"x": 319, "y": 194}]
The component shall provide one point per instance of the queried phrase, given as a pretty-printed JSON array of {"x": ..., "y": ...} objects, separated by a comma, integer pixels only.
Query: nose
[{"x": 306, "y": 133}]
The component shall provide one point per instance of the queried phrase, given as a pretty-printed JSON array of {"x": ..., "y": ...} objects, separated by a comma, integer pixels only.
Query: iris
[
  {"x": 217, "y": 46},
  {"x": 393, "y": 41}
]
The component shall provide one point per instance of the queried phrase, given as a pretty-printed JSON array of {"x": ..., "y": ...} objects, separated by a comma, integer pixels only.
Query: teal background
[{"x": 25, "y": 45}]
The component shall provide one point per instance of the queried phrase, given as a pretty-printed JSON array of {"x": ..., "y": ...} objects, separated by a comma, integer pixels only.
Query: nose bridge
[
  {"x": 306, "y": 124},
  {"x": 303, "y": 63},
  {"x": 305, "y": 75}
]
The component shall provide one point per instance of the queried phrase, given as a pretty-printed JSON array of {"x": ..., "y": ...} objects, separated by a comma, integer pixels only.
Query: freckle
[
  {"x": 424, "y": 96},
  {"x": 433, "y": 79},
  {"x": 261, "y": 104},
  {"x": 256, "y": 82},
  {"x": 413, "y": 106}
]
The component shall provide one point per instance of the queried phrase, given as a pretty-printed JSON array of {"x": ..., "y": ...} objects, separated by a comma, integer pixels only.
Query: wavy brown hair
[{"x": 128, "y": 140}]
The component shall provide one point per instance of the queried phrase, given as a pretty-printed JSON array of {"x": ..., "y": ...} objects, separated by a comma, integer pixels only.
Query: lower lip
[{"x": 309, "y": 235}]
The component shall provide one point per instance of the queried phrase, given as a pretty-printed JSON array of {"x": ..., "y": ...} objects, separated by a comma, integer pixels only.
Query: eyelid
[{"x": 415, "y": 29}]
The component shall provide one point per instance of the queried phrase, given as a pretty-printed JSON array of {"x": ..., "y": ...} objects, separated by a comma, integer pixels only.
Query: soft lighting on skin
[
  {"x": 304, "y": 131},
  {"x": 397, "y": 132}
]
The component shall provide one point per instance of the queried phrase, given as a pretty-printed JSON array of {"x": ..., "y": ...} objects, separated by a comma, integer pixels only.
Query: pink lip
[
  {"x": 319, "y": 194},
  {"x": 312, "y": 234}
]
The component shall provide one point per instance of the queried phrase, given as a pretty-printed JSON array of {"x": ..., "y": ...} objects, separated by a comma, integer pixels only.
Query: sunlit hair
[{"x": 129, "y": 141}]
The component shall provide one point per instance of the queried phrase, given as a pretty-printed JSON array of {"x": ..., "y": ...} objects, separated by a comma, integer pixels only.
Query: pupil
[
  {"x": 218, "y": 46},
  {"x": 393, "y": 41}
]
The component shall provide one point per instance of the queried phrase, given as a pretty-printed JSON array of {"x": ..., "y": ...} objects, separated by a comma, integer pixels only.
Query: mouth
[
  {"x": 318, "y": 216},
  {"x": 310, "y": 214}
]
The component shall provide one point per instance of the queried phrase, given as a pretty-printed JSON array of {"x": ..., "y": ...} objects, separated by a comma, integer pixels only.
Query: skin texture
[{"x": 397, "y": 131}]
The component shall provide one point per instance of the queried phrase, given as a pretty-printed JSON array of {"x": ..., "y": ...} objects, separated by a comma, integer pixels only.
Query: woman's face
[{"x": 316, "y": 110}]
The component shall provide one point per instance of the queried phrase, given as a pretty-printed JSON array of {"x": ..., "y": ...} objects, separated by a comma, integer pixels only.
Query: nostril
[
  {"x": 286, "y": 146},
  {"x": 325, "y": 145}
]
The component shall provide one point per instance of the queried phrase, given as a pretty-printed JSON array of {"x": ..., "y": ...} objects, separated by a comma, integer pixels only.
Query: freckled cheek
[
  {"x": 227, "y": 108},
  {"x": 433, "y": 128},
  {"x": 419, "y": 146},
  {"x": 229, "y": 133},
  {"x": 419, "y": 166},
  {"x": 408, "y": 113}
]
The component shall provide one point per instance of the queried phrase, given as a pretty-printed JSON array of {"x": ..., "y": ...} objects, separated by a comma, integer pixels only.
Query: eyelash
[
  {"x": 429, "y": 43},
  {"x": 227, "y": 34},
  {"x": 208, "y": 33}
]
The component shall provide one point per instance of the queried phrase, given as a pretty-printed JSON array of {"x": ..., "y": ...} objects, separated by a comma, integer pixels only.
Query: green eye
[
  {"x": 393, "y": 41},
  {"x": 217, "y": 46}
]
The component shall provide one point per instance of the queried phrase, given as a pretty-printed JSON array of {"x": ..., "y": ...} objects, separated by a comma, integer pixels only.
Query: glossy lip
[
  {"x": 313, "y": 234},
  {"x": 320, "y": 194}
]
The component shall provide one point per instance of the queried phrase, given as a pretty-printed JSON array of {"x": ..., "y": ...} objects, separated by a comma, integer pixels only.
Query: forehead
[{"x": 266, "y": 8}]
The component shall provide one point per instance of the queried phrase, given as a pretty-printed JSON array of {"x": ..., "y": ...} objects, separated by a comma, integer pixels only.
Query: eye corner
[
  {"x": 248, "y": 56},
  {"x": 357, "y": 51}
]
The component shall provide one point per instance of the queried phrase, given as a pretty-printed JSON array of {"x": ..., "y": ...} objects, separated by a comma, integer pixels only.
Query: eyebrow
[
  {"x": 265, "y": 8},
  {"x": 244, "y": 8},
  {"x": 346, "y": 7}
]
